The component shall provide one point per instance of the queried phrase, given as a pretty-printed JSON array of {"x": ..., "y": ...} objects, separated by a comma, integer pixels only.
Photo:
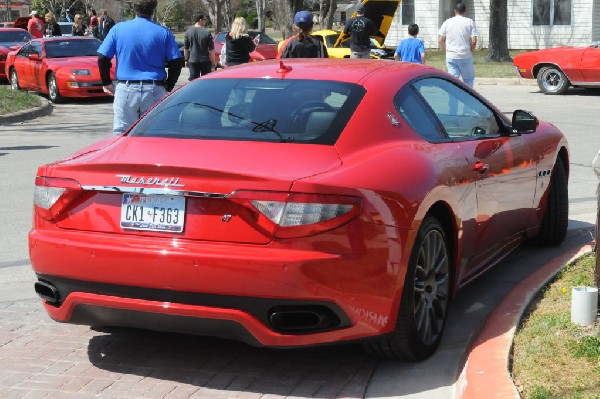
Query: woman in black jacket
[
  {"x": 238, "y": 44},
  {"x": 79, "y": 28},
  {"x": 303, "y": 45},
  {"x": 52, "y": 28}
]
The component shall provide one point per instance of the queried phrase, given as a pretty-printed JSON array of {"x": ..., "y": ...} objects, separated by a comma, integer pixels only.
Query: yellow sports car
[{"x": 343, "y": 50}]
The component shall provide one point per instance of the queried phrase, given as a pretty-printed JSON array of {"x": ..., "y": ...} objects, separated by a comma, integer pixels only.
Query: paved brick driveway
[{"x": 40, "y": 358}]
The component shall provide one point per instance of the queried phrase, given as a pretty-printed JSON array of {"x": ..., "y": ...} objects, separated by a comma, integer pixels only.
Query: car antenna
[{"x": 283, "y": 68}]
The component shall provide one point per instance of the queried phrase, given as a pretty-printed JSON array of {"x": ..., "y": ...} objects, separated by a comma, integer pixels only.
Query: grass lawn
[
  {"x": 483, "y": 69},
  {"x": 11, "y": 101},
  {"x": 553, "y": 358}
]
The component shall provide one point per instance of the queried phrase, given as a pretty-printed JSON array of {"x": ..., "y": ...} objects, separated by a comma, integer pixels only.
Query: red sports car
[
  {"x": 297, "y": 203},
  {"x": 266, "y": 49},
  {"x": 10, "y": 39},
  {"x": 59, "y": 66},
  {"x": 558, "y": 68}
]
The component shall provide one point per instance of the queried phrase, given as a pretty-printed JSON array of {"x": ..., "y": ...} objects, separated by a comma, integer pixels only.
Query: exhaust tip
[
  {"x": 48, "y": 292},
  {"x": 303, "y": 319}
]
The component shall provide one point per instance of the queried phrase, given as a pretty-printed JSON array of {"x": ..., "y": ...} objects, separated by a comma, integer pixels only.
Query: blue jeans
[
  {"x": 132, "y": 100},
  {"x": 462, "y": 67}
]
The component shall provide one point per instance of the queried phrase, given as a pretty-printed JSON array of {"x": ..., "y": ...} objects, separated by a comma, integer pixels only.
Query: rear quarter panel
[{"x": 547, "y": 143}]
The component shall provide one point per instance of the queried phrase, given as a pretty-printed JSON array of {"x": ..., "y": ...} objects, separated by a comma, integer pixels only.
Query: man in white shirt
[{"x": 458, "y": 37}]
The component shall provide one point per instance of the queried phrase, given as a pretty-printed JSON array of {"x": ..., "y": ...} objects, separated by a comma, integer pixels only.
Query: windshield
[
  {"x": 72, "y": 48},
  {"x": 14, "y": 37},
  {"x": 300, "y": 111}
]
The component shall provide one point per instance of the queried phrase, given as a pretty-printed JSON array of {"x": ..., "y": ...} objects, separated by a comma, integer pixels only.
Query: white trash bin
[{"x": 584, "y": 305}]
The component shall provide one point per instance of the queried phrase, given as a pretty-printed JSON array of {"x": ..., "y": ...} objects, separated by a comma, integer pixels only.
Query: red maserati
[
  {"x": 556, "y": 69},
  {"x": 59, "y": 66},
  {"x": 297, "y": 203}
]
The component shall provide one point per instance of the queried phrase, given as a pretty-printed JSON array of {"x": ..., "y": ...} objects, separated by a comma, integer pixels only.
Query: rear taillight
[
  {"x": 299, "y": 214},
  {"x": 53, "y": 197}
]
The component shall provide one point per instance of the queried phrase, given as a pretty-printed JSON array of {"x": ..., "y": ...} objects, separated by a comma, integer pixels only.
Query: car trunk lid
[{"x": 196, "y": 176}]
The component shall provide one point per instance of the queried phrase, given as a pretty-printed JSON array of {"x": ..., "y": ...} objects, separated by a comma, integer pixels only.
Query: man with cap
[
  {"x": 303, "y": 45},
  {"x": 36, "y": 25},
  {"x": 360, "y": 30},
  {"x": 142, "y": 48}
]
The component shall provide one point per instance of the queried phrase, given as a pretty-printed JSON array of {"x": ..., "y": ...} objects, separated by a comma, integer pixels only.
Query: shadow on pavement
[{"x": 213, "y": 364}]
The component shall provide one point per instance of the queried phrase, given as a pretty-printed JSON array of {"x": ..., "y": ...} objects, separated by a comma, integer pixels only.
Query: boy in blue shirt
[{"x": 411, "y": 49}]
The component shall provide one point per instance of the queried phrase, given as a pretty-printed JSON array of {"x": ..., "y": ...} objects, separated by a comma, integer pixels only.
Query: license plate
[{"x": 153, "y": 212}]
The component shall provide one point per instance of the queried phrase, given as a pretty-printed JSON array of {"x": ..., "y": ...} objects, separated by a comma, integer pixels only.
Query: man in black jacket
[
  {"x": 106, "y": 24},
  {"x": 360, "y": 30}
]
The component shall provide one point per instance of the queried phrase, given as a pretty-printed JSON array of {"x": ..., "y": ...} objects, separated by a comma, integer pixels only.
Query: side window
[
  {"x": 36, "y": 48},
  {"x": 412, "y": 108},
  {"x": 25, "y": 51},
  {"x": 462, "y": 114}
]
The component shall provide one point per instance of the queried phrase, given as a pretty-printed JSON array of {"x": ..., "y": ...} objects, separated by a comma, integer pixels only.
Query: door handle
[{"x": 481, "y": 167}]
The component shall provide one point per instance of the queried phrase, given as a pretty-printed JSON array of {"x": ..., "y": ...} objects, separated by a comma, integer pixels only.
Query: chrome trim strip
[
  {"x": 588, "y": 84},
  {"x": 154, "y": 191}
]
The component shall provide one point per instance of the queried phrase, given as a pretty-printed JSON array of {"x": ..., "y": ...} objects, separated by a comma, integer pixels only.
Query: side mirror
[
  {"x": 34, "y": 57},
  {"x": 524, "y": 122}
]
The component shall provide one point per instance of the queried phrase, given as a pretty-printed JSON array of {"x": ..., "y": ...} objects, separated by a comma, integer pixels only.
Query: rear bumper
[{"x": 230, "y": 291}]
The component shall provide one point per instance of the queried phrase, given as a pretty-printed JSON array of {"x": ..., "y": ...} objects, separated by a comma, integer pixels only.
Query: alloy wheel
[{"x": 431, "y": 287}]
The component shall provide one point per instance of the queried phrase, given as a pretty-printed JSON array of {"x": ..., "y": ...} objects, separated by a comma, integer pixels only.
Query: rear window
[{"x": 299, "y": 111}]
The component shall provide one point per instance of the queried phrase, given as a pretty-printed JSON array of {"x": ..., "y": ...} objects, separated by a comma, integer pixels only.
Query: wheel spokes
[{"x": 431, "y": 286}]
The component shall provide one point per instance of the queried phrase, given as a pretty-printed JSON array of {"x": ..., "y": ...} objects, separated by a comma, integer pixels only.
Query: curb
[
  {"x": 505, "y": 81},
  {"x": 491, "y": 350},
  {"x": 44, "y": 109}
]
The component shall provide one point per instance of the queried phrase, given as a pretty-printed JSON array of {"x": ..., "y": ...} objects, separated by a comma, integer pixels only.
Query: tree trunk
[
  {"x": 261, "y": 6},
  {"x": 327, "y": 12},
  {"x": 284, "y": 16},
  {"x": 297, "y": 5},
  {"x": 498, "y": 48}
]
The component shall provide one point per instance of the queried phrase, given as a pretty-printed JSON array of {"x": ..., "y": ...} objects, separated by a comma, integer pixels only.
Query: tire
[
  {"x": 53, "y": 92},
  {"x": 14, "y": 80},
  {"x": 425, "y": 296},
  {"x": 553, "y": 228},
  {"x": 551, "y": 80}
]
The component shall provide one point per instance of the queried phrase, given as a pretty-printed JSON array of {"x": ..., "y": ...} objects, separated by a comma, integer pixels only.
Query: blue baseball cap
[{"x": 303, "y": 18}]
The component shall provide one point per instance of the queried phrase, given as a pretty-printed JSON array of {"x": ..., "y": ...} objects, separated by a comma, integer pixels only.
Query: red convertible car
[
  {"x": 557, "y": 69},
  {"x": 59, "y": 66},
  {"x": 266, "y": 49},
  {"x": 263, "y": 204},
  {"x": 10, "y": 39}
]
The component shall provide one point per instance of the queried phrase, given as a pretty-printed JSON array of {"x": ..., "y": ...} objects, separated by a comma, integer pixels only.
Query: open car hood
[
  {"x": 21, "y": 22},
  {"x": 381, "y": 12}
]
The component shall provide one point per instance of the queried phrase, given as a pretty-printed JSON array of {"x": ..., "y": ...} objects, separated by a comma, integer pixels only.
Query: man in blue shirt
[
  {"x": 142, "y": 49},
  {"x": 411, "y": 49}
]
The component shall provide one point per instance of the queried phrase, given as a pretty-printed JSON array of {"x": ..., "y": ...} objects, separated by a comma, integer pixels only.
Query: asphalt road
[{"x": 76, "y": 124}]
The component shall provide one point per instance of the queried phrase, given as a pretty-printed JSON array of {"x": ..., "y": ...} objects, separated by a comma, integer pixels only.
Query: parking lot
[{"x": 41, "y": 358}]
